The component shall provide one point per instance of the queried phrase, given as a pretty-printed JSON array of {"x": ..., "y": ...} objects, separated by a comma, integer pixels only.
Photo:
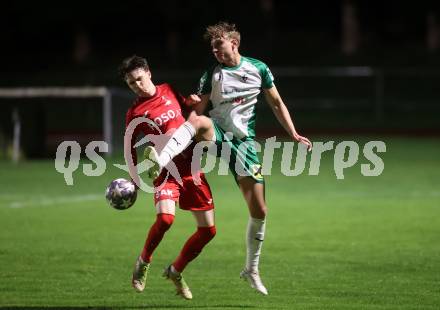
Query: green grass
[{"x": 357, "y": 243}]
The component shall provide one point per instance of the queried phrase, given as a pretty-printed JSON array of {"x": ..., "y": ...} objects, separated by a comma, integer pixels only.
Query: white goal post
[{"x": 105, "y": 93}]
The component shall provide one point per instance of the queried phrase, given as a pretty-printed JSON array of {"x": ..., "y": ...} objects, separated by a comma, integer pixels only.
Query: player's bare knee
[
  {"x": 205, "y": 122},
  {"x": 199, "y": 122},
  {"x": 263, "y": 210},
  {"x": 194, "y": 120},
  {"x": 259, "y": 212}
]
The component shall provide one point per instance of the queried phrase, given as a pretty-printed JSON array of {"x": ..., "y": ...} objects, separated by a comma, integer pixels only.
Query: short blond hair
[{"x": 222, "y": 30}]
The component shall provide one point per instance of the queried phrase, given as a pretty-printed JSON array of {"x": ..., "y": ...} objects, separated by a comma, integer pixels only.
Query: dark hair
[{"x": 132, "y": 63}]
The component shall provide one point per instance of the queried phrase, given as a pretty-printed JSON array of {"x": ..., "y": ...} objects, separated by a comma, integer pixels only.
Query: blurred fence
[
  {"x": 320, "y": 99},
  {"x": 347, "y": 98}
]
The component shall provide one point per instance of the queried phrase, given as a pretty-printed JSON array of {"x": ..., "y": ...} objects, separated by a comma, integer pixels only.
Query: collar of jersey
[
  {"x": 235, "y": 67},
  {"x": 142, "y": 99}
]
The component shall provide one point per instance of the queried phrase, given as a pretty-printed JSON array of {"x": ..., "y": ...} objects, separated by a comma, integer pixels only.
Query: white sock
[
  {"x": 179, "y": 141},
  {"x": 254, "y": 242}
]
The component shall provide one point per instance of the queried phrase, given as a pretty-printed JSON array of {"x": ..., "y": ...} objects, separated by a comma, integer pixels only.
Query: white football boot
[
  {"x": 182, "y": 288},
  {"x": 253, "y": 278},
  {"x": 140, "y": 273}
]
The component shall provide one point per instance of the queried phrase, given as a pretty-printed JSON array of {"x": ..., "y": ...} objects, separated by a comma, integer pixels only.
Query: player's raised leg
[
  {"x": 164, "y": 219},
  {"x": 193, "y": 247},
  {"x": 253, "y": 193},
  {"x": 197, "y": 127}
]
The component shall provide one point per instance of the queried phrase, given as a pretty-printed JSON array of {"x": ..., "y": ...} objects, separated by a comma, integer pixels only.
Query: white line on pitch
[{"x": 55, "y": 200}]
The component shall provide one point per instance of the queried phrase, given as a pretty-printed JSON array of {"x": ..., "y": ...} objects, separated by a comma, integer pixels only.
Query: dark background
[
  {"x": 81, "y": 43},
  {"x": 40, "y": 38}
]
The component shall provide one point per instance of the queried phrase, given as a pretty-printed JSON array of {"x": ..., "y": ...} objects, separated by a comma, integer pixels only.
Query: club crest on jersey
[
  {"x": 244, "y": 77},
  {"x": 167, "y": 101}
]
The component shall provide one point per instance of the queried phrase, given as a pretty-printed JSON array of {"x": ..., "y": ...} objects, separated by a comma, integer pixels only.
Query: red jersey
[{"x": 164, "y": 108}]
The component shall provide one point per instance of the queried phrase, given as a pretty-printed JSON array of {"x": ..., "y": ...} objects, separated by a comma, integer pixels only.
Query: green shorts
[{"x": 243, "y": 159}]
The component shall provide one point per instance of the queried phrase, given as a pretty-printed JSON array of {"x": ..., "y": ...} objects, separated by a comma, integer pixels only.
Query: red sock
[
  {"x": 155, "y": 235},
  {"x": 194, "y": 246}
]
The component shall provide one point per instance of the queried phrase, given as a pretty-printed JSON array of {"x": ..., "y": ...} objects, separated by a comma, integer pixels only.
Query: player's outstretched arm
[{"x": 281, "y": 112}]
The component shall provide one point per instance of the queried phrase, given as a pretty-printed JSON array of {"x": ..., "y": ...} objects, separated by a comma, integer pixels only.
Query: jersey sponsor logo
[
  {"x": 227, "y": 90},
  {"x": 237, "y": 100},
  {"x": 166, "y": 117},
  {"x": 164, "y": 192}
]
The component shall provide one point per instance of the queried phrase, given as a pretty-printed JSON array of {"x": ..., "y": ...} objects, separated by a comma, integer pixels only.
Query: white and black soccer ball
[{"x": 121, "y": 194}]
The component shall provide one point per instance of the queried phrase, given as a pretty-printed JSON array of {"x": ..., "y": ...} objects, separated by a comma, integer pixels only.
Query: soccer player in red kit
[{"x": 162, "y": 105}]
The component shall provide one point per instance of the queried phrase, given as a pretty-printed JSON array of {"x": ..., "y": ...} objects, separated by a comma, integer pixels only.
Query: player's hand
[
  {"x": 304, "y": 140},
  {"x": 192, "y": 100}
]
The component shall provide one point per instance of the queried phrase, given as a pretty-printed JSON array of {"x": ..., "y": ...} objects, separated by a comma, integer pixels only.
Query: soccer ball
[{"x": 121, "y": 194}]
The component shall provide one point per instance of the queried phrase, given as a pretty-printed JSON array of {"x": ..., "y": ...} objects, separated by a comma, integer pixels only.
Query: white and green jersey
[{"x": 234, "y": 92}]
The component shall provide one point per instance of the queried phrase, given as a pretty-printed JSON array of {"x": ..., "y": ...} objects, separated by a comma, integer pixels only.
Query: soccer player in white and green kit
[{"x": 232, "y": 85}]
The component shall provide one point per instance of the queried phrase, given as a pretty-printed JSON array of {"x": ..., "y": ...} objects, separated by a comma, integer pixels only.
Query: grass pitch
[{"x": 357, "y": 243}]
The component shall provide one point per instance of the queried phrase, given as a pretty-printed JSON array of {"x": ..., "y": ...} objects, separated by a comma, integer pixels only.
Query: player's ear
[{"x": 234, "y": 43}]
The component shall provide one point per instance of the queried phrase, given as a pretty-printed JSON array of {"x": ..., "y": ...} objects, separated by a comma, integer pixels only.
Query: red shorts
[{"x": 189, "y": 195}]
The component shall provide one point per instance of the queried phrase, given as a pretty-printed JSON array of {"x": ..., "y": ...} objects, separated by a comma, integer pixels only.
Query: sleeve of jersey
[
  {"x": 266, "y": 77},
  {"x": 128, "y": 119},
  {"x": 182, "y": 100},
  {"x": 205, "y": 83}
]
